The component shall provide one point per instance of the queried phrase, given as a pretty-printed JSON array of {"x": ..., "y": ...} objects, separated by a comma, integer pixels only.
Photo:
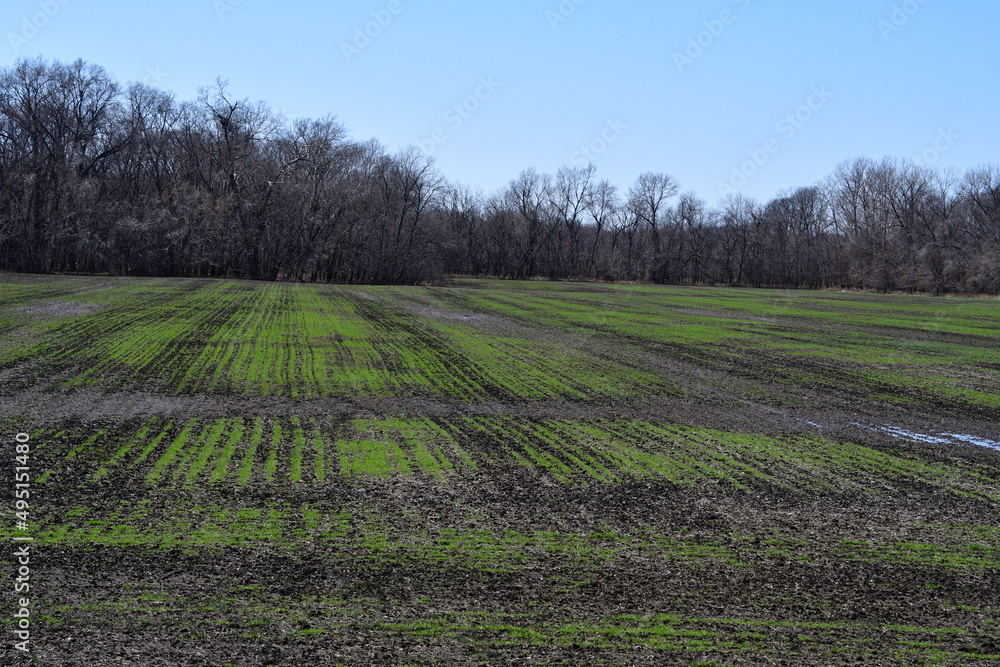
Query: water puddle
[
  {"x": 960, "y": 439},
  {"x": 974, "y": 440},
  {"x": 904, "y": 434}
]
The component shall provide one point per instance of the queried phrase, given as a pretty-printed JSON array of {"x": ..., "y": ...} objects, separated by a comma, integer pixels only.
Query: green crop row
[
  {"x": 511, "y": 341},
  {"x": 723, "y": 639},
  {"x": 251, "y": 613},
  {"x": 300, "y": 341},
  {"x": 578, "y": 452},
  {"x": 879, "y": 346},
  {"x": 178, "y": 523}
]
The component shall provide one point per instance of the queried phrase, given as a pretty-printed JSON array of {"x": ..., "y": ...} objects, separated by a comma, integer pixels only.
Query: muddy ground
[{"x": 758, "y": 575}]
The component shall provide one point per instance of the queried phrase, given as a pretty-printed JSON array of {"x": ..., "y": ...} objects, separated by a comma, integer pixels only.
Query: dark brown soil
[{"x": 791, "y": 590}]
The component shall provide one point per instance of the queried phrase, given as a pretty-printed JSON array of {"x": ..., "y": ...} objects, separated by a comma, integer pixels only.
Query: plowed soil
[{"x": 228, "y": 473}]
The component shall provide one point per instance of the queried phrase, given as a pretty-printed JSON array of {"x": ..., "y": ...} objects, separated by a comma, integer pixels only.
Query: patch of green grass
[
  {"x": 271, "y": 464},
  {"x": 177, "y": 446},
  {"x": 235, "y": 437},
  {"x": 246, "y": 468},
  {"x": 299, "y": 443}
]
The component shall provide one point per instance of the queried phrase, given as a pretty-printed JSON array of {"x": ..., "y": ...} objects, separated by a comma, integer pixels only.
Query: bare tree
[
  {"x": 648, "y": 202},
  {"x": 603, "y": 207},
  {"x": 529, "y": 196},
  {"x": 570, "y": 197},
  {"x": 103, "y": 178}
]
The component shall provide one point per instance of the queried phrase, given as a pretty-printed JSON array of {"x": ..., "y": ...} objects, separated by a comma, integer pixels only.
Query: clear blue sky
[{"x": 902, "y": 74}]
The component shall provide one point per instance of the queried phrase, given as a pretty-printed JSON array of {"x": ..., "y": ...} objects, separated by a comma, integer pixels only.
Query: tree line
[{"x": 102, "y": 178}]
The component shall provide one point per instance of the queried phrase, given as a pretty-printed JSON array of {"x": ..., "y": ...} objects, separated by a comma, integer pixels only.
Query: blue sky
[{"x": 753, "y": 96}]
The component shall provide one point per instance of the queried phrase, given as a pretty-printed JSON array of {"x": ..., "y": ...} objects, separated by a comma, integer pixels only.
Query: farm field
[{"x": 243, "y": 473}]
